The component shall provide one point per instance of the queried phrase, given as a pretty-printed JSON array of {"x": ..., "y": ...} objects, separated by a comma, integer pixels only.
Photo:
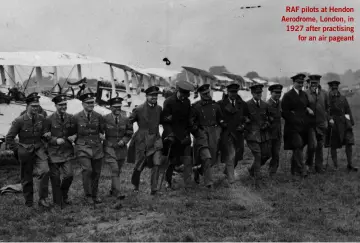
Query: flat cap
[
  {"x": 334, "y": 82},
  {"x": 117, "y": 101},
  {"x": 204, "y": 87},
  {"x": 152, "y": 90},
  {"x": 86, "y": 96},
  {"x": 184, "y": 86},
  {"x": 32, "y": 98},
  {"x": 233, "y": 87},
  {"x": 275, "y": 87},
  {"x": 314, "y": 77},
  {"x": 59, "y": 99},
  {"x": 299, "y": 76},
  {"x": 256, "y": 87}
]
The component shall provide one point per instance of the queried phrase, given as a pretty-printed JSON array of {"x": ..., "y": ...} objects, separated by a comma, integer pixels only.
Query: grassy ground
[{"x": 319, "y": 208}]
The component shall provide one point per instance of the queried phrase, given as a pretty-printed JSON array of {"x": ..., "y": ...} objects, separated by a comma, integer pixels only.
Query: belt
[{"x": 209, "y": 125}]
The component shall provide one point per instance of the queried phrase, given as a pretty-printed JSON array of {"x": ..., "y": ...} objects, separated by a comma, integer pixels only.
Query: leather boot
[
  {"x": 348, "y": 151},
  {"x": 186, "y": 161},
  {"x": 207, "y": 173}
]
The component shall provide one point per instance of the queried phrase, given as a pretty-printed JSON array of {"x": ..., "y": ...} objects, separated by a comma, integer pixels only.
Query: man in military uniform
[
  {"x": 61, "y": 126},
  {"x": 31, "y": 151},
  {"x": 176, "y": 134},
  {"x": 206, "y": 123},
  {"x": 118, "y": 132},
  {"x": 295, "y": 111},
  {"x": 232, "y": 137},
  {"x": 257, "y": 130},
  {"x": 40, "y": 110},
  {"x": 275, "y": 127},
  {"x": 340, "y": 130},
  {"x": 90, "y": 133},
  {"x": 318, "y": 102},
  {"x": 145, "y": 148}
]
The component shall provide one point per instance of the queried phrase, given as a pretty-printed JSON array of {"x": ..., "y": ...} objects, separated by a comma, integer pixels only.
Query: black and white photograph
[{"x": 179, "y": 121}]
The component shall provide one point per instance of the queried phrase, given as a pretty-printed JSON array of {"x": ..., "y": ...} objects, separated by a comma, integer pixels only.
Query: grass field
[{"x": 320, "y": 208}]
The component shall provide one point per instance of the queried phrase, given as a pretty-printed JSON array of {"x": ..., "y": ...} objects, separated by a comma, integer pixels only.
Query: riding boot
[{"x": 348, "y": 151}]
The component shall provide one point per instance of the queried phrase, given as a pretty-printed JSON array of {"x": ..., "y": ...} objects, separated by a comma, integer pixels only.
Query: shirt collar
[
  {"x": 256, "y": 101},
  {"x": 86, "y": 114},
  {"x": 274, "y": 100},
  {"x": 297, "y": 91}
]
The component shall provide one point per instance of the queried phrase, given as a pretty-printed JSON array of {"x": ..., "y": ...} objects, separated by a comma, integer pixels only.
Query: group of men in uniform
[{"x": 49, "y": 145}]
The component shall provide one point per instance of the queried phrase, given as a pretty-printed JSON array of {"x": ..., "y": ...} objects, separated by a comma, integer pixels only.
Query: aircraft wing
[
  {"x": 259, "y": 81},
  {"x": 46, "y": 59},
  {"x": 234, "y": 76},
  {"x": 161, "y": 72},
  {"x": 223, "y": 78},
  {"x": 128, "y": 68},
  {"x": 247, "y": 80},
  {"x": 197, "y": 71}
]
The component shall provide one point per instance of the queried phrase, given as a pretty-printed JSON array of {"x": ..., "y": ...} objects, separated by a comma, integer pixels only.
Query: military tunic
[
  {"x": 146, "y": 146},
  {"x": 206, "y": 118},
  {"x": 257, "y": 133},
  {"x": 114, "y": 154},
  {"x": 232, "y": 137},
  {"x": 341, "y": 133},
  {"x": 294, "y": 106},
  {"x": 89, "y": 149},
  {"x": 275, "y": 134},
  {"x": 60, "y": 156},
  {"x": 318, "y": 103},
  {"x": 177, "y": 127},
  {"x": 31, "y": 153}
]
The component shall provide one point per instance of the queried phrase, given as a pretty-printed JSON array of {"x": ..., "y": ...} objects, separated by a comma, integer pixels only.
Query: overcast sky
[{"x": 199, "y": 33}]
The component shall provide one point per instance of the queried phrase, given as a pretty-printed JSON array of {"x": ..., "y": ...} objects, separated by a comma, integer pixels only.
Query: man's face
[
  {"x": 89, "y": 105},
  {"x": 205, "y": 95},
  {"x": 116, "y": 110},
  {"x": 313, "y": 86},
  {"x": 298, "y": 84},
  {"x": 256, "y": 94},
  {"x": 152, "y": 98},
  {"x": 276, "y": 94},
  {"x": 33, "y": 108},
  {"x": 232, "y": 94},
  {"x": 334, "y": 88},
  {"x": 183, "y": 95},
  {"x": 61, "y": 107}
]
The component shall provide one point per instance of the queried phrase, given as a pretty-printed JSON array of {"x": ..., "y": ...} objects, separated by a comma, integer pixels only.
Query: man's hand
[
  {"x": 102, "y": 136},
  {"x": 121, "y": 143},
  {"x": 168, "y": 118},
  {"x": 310, "y": 111},
  {"x": 60, "y": 141},
  {"x": 240, "y": 128},
  {"x": 247, "y": 120},
  {"x": 186, "y": 141},
  {"x": 72, "y": 138},
  {"x": 47, "y": 135},
  {"x": 169, "y": 139},
  {"x": 331, "y": 122}
]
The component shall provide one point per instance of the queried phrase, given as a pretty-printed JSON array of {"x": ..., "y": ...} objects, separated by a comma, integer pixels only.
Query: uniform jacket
[
  {"x": 275, "y": 113},
  {"x": 293, "y": 107},
  {"x": 319, "y": 103},
  {"x": 257, "y": 130},
  {"x": 60, "y": 129},
  {"x": 234, "y": 117},
  {"x": 114, "y": 133},
  {"x": 339, "y": 107},
  {"x": 30, "y": 134},
  {"x": 206, "y": 117},
  {"x": 147, "y": 139},
  {"x": 179, "y": 125},
  {"x": 88, "y": 142}
]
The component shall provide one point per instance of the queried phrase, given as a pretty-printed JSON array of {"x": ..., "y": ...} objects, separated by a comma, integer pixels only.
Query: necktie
[
  {"x": 62, "y": 118},
  {"x": 116, "y": 120},
  {"x": 88, "y": 116},
  {"x": 33, "y": 119},
  {"x": 233, "y": 103},
  {"x": 258, "y": 103}
]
